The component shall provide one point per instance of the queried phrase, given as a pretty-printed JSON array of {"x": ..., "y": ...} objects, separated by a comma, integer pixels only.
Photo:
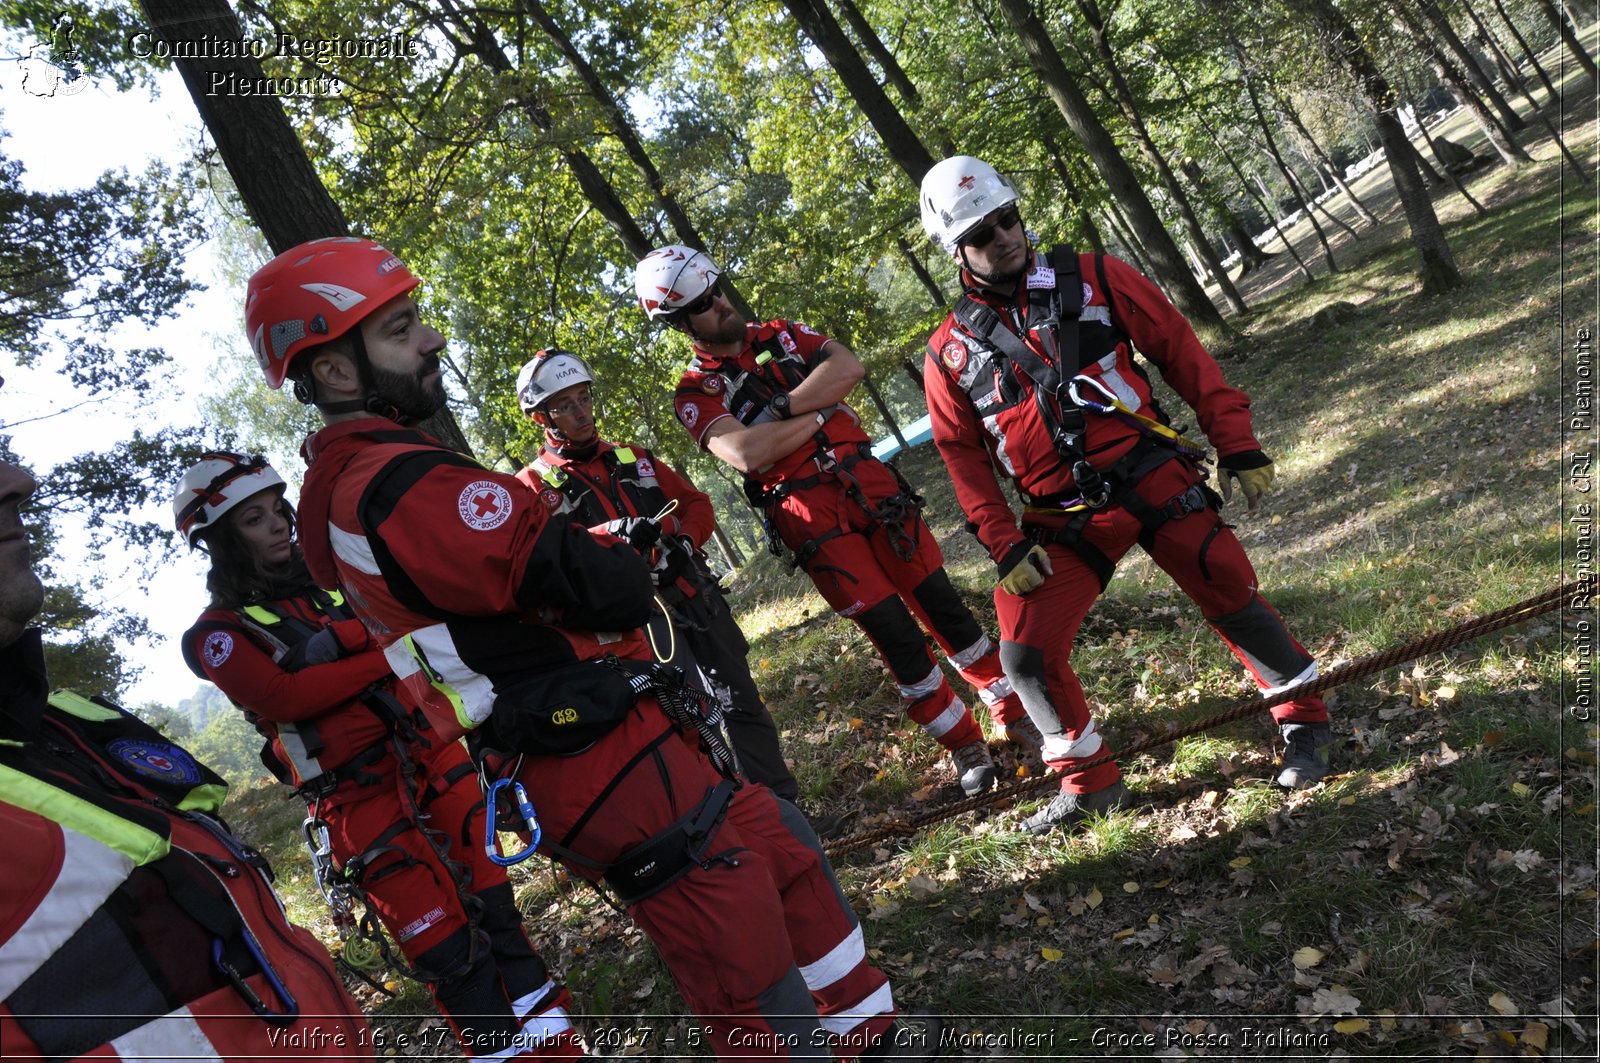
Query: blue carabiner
[{"x": 491, "y": 840}]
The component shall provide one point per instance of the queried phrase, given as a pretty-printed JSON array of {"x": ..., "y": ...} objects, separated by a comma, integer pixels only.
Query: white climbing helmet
[
  {"x": 547, "y": 372},
  {"x": 214, "y": 485},
  {"x": 670, "y": 278},
  {"x": 957, "y": 194}
]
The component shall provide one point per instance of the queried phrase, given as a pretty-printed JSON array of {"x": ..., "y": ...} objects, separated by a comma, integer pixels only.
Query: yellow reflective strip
[
  {"x": 441, "y": 686},
  {"x": 207, "y": 797},
  {"x": 126, "y": 837},
  {"x": 625, "y": 455},
  {"x": 261, "y": 616},
  {"x": 74, "y": 704},
  {"x": 338, "y": 599}
]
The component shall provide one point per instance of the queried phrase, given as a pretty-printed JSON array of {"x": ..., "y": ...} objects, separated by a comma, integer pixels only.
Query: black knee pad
[
  {"x": 946, "y": 611},
  {"x": 1257, "y": 633},
  {"x": 891, "y": 626},
  {"x": 1024, "y": 666}
]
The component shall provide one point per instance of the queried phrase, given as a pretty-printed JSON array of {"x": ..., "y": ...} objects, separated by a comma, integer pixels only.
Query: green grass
[{"x": 1449, "y": 860}]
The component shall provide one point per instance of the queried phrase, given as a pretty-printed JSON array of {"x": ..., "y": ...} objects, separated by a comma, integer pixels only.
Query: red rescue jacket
[
  {"x": 462, "y": 574},
  {"x": 984, "y": 412}
]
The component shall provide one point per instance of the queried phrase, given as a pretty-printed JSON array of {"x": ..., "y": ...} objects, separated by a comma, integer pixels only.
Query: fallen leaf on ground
[
  {"x": 1051, "y": 955},
  {"x": 1504, "y": 1004},
  {"x": 1094, "y": 898},
  {"x": 1352, "y": 1026},
  {"x": 1308, "y": 957}
]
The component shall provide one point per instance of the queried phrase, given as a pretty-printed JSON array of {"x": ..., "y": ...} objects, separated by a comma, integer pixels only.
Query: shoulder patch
[
  {"x": 161, "y": 761},
  {"x": 953, "y": 355},
  {"x": 786, "y": 341},
  {"x": 807, "y": 329},
  {"x": 551, "y": 498},
  {"x": 713, "y": 384},
  {"x": 689, "y": 414},
  {"x": 217, "y": 648},
  {"x": 484, "y": 505},
  {"x": 646, "y": 467}
]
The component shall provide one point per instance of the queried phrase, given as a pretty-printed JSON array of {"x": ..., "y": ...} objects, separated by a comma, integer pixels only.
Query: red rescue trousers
[{"x": 1203, "y": 556}]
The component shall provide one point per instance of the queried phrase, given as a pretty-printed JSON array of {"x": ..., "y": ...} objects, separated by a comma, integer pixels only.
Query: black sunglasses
[
  {"x": 983, "y": 235},
  {"x": 702, "y": 304}
]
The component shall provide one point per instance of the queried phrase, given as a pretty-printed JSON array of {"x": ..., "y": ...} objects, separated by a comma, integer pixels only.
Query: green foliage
[{"x": 232, "y": 748}]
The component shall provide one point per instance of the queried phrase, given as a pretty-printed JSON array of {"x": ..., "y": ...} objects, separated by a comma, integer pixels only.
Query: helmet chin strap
[{"x": 370, "y": 401}]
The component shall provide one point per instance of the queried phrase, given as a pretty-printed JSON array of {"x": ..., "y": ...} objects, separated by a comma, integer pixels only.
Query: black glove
[
  {"x": 320, "y": 648},
  {"x": 672, "y": 560},
  {"x": 641, "y": 532}
]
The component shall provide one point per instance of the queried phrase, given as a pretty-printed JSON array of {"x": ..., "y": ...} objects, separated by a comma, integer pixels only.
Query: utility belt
[
  {"x": 1098, "y": 489},
  {"x": 652, "y": 866},
  {"x": 352, "y": 770},
  {"x": 889, "y": 513}
]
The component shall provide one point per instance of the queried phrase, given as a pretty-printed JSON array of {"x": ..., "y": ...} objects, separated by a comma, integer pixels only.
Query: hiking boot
[
  {"x": 1307, "y": 756},
  {"x": 974, "y": 767},
  {"x": 912, "y": 1037},
  {"x": 1066, "y": 808},
  {"x": 1022, "y": 733}
]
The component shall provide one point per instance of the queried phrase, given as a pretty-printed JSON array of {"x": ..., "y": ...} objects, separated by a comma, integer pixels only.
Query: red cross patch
[
  {"x": 954, "y": 355},
  {"x": 484, "y": 505}
]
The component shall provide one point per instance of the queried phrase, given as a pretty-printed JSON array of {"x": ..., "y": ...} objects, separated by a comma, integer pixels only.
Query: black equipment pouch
[
  {"x": 561, "y": 711},
  {"x": 652, "y": 866}
]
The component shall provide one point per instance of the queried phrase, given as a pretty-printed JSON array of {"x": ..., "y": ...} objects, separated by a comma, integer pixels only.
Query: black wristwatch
[{"x": 780, "y": 404}]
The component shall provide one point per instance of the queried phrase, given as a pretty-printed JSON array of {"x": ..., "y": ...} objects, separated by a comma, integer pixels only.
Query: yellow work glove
[
  {"x": 1253, "y": 481},
  {"x": 1024, "y": 568}
]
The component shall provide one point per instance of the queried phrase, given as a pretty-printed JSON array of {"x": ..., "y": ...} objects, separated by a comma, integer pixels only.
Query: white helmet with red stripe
[
  {"x": 214, "y": 485},
  {"x": 957, "y": 194},
  {"x": 670, "y": 278}
]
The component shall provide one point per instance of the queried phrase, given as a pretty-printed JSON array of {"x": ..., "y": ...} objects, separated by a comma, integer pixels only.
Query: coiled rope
[{"x": 904, "y": 826}]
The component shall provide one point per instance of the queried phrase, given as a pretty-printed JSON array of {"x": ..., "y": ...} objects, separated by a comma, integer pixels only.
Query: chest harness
[
  {"x": 285, "y": 633},
  {"x": 750, "y": 394},
  {"x": 1053, "y": 319}
]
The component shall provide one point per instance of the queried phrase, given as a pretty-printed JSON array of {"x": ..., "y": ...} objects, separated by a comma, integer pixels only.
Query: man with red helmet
[
  {"x": 630, "y": 492},
  {"x": 769, "y": 401},
  {"x": 522, "y": 628},
  {"x": 398, "y": 814},
  {"x": 1032, "y": 373}
]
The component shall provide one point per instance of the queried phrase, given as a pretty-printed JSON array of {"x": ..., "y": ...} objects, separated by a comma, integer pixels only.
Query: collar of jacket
[
  {"x": 560, "y": 453},
  {"x": 327, "y": 453},
  {"x": 24, "y": 686}
]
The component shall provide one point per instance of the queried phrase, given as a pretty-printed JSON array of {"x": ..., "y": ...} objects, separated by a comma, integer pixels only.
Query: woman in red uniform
[{"x": 403, "y": 810}]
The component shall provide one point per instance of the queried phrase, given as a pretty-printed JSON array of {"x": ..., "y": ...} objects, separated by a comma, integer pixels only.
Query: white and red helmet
[
  {"x": 547, "y": 372},
  {"x": 670, "y": 278},
  {"x": 219, "y": 481},
  {"x": 957, "y": 194},
  {"x": 314, "y": 293}
]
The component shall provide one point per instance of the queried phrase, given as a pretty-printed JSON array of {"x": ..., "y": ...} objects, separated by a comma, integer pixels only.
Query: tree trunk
[
  {"x": 269, "y": 166},
  {"x": 732, "y": 556},
  {"x": 1469, "y": 74},
  {"x": 1123, "y": 96},
  {"x": 883, "y": 408},
  {"x": 1233, "y": 164},
  {"x": 914, "y": 260},
  {"x": 1508, "y": 69},
  {"x": 622, "y": 128},
  {"x": 1130, "y": 241},
  {"x": 1277, "y": 157},
  {"x": 1449, "y": 74},
  {"x": 1080, "y": 210},
  {"x": 901, "y": 142},
  {"x": 1570, "y": 39},
  {"x": 1438, "y": 270},
  {"x": 1170, "y": 271},
  {"x": 1328, "y": 164},
  {"x": 880, "y": 54},
  {"x": 1566, "y": 153},
  {"x": 1516, "y": 35}
]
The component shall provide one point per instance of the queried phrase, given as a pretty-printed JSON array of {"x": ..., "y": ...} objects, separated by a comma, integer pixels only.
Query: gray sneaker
[
  {"x": 1022, "y": 733},
  {"x": 974, "y": 767},
  {"x": 1066, "y": 809},
  {"x": 1307, "y": 756}
]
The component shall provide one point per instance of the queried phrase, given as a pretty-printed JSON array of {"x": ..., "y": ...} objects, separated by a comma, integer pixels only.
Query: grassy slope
[{"x": 1451, "y": 860}]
